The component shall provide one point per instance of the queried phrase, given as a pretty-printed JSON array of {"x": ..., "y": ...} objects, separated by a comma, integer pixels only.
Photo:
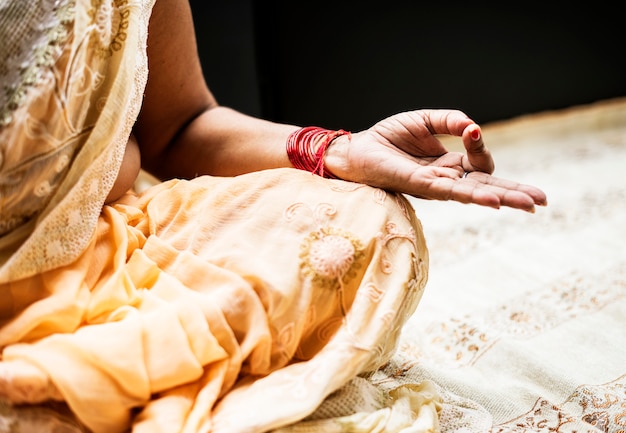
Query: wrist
[{"x": 307, "y": 148}]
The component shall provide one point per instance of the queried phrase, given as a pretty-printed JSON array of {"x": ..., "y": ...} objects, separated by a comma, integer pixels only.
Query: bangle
[{"x": 302, "y": 153}]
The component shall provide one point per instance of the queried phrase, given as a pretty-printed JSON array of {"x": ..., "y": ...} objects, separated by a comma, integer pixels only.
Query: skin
[{"x": 183, "y": 132}]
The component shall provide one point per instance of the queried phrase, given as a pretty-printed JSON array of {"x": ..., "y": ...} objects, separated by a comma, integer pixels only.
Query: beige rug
[{"x": 524, "y": 320}]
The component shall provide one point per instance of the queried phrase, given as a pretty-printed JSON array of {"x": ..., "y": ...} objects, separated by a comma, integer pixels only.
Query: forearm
[
  {"x": 222, "y": 142},
  {"x": 181, "y": 130}
]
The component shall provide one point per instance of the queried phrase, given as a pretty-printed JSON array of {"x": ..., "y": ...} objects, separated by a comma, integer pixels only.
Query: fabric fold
[{"x": 187, "y": 325}]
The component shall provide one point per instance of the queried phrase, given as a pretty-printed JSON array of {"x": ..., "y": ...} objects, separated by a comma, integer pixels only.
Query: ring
[{"x": 465, "y": 175}]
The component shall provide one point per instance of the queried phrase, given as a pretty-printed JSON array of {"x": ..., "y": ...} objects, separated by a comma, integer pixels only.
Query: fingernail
[{"x": 475, "y": 134}]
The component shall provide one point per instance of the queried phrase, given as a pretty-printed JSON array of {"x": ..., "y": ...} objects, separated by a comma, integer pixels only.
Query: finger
[
  {"x": 470, "y": 192},
  {"x": 442, "y": 183},
  {"x": 465, "y": 191},
  {"x": 482, "y": 189},
  {"x": 478, "y": 155},
  {"x": 510, "y": 193},
  {"x": 538, "y": 196}
]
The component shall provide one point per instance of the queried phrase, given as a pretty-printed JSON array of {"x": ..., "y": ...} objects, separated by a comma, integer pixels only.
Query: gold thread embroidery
[{"x": 111, "y": 21}]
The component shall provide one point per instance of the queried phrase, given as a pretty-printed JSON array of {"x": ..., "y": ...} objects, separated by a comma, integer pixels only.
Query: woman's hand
[{"x": 402, "y": 153}]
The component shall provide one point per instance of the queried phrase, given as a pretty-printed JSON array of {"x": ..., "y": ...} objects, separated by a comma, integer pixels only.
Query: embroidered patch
[{"x": 331, "y": 256}]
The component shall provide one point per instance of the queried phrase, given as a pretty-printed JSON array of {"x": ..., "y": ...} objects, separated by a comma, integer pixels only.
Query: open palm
[{"x": 402, "y": 153}]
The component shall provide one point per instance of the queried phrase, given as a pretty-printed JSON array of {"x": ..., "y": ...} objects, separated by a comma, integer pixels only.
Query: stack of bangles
[{"x": 302, "y": 152}]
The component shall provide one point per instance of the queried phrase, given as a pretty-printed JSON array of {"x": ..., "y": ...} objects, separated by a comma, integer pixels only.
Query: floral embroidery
[
  {"x": 30, "y": 49},
  {"x": 374, "y": 293},
  {"x": 599, "y": 420},
  {"x": 62, "y": 73},
  {"x": 544, "y": 417},
  {"x": 392, "y": 233},
  {"x": 111, "y": 20},
  {"x": 321, "y": 214},
  {"x": 330, "y": 257},
  {"x": 599, "y": 406},
  {"x": 603, "y": 406},
  {"x": 380, "y": 196},
  {"x": 461, "y": 341}
]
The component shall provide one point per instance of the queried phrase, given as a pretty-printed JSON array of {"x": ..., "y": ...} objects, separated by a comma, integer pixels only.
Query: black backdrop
[{"x": 349, "y": 64}]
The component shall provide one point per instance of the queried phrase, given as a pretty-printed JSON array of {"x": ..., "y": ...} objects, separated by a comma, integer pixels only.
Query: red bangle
[{"x": 301, "y": 149}]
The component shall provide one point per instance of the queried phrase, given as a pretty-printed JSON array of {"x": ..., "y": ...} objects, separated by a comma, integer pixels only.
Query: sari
[{"x": 207, "y": 305}]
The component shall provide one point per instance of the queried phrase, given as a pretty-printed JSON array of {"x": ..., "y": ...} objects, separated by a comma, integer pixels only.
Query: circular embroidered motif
[{"x": 330, "y": 256}]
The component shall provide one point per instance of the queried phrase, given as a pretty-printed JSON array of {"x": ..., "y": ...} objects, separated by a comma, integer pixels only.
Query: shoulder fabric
[{"x": 64, "y": 137}]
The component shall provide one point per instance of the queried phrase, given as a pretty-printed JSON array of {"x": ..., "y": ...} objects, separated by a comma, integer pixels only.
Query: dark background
[{"x": 350, "y": 64}]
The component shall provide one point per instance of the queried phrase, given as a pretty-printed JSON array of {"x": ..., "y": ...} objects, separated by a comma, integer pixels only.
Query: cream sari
[{"x": 212, "y": 305}]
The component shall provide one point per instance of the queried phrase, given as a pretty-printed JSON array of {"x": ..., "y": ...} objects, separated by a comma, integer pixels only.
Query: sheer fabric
[
  {"x": 73, "y": 76},
  {"x": 219, "y": 304}
]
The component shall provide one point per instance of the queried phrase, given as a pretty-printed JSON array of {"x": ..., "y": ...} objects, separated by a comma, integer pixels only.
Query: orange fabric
[{"x": 218, "y": 304}]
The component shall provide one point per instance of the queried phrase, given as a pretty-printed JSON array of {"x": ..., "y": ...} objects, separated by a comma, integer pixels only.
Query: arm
[{"x": 183, "y": 132}]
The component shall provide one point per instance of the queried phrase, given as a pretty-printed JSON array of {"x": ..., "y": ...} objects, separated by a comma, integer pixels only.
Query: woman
[{"x": 235, "y": 301}]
